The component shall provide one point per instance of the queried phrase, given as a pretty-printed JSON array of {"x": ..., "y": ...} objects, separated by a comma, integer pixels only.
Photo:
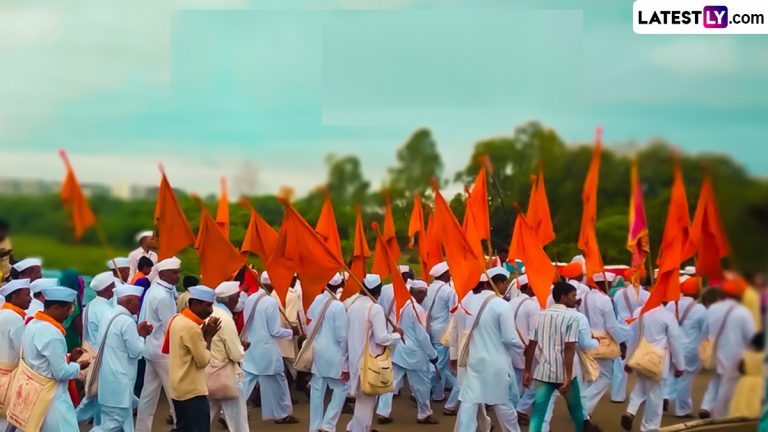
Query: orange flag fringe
[
  {"x": 538, "y": 211},
  {"x": 327, "y": 228},
  {"x": 526, "y": 247},
  {"x": 260, "y": 238},
  {"x": 465, "y": 259},
  {"x": 170, "y": 223},
  {"x": 301, "y": 250},
  {"x": 360, "y": 254},
  {"x": 587, "y": 236},
  {"x": 222, "y": 210},
  {"x": 219, "y": 260},
  {"x": 673, "y": 246},
  {"x": 708, "y": 238},
  {"x": 400, "y": 291},
  {"x": 73, "y": 199}
]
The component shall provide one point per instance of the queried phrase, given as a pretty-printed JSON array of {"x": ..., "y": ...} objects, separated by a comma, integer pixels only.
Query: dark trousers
[
  {"x": 139, "y": 385},
  {"x": 192, "y": 415}
]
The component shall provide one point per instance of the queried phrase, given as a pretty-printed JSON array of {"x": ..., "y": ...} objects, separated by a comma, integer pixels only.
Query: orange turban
[
  {"x": 689, "y": 286},
  {"x": 571, "y": 271},
  {"x": 735, "y": 287}
]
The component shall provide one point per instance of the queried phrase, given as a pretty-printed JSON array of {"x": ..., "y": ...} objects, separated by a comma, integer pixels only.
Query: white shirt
[
  {"x": 737, "y": 334},
  {"x": 626, "y": 301},
  {"x": 525, "y": 310},
  {"x": 121, "y": 351},
  {"x": 158, "y": 308},
  {"x": 34, "y": 307},
  {"x": 135, "y": 255},
  {"x": 418, "y": 350},
  {"x": 602, "y": 317},
  {"x": 98, "y": 313},
  {"x": 330, "y": 345},
  {"x": 661, "y": 330},
  {"x": 263, "y": 331},
  {"x": 693, "y": 330},
  {"x": 387, "y": 301},
  {"x": 11, "y": 331},
  {"x": 365, "y": 320},
  {"x": 441, "y": 297}
]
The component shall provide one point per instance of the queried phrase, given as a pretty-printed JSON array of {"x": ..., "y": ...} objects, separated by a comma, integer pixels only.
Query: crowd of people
[{"x": 213, "y": 350}]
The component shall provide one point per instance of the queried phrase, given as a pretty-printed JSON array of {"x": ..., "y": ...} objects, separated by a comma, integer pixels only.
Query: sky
[{"x": 208, "y": 87}]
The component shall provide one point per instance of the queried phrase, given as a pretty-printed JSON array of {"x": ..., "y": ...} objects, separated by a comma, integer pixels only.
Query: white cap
[
  {"x": 226, "y": 289},
  {"x": 580, "y": 259},
  {"x": 603, "y": 276},
  {"x": 122, "y": 290},
  {"x": 202, "y": 293},
  {"x": 121, "y": 263},
  {"x": 102, "y": 280},
  {"x": 404, "y": 268},
  {"x": 690, "y": 270},
  {"x": 372, "y": 280},
  {"x": 27, "y": 263},
  {"x": 60, "y": 293},
  {"x": 143, "y": 234},
  {"x": 13, "y": 285},
  {"x": 483, "y": 277},
  {"x": 336, "y": 280},
  {"x": 498, "y": 271},
  {"x": 438, "y": 269},
  {"x": 42, "y": 283},
  {"x": 417, "y": 284},
  {"x": 264, "y": 278},
  {"x": 171, "y": 263},
  {"x": 520, "y": 281}
]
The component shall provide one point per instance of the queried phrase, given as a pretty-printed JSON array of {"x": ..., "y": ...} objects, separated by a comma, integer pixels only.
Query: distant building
[{"x": 32, "y": 187}]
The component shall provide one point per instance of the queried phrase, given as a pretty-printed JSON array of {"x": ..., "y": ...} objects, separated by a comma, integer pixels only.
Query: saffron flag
[
  {"x": 538, "y": 215},
  {"x": 431, "y": 253},
  {"x": 476, "y": 220},
  {"x": 400, "y": 291},
  {"x": 327, "y": 228},
  {"x": 539, "y": 268},
  {"x": 360, "y": 255},
  {"x": 465, "y": 259},
  {"x": 380, "y": 266},
  {"x": 260, "y": 238},
  {"x": 637, "y": 237},
  {"x": 222, "y": 210},
  {"x": 301, "y": 250},
  {"x": 219, "y": 260},
  {"x": 708, "y": 238},
  {"x": 416, "y": 228},
  {"x": 171, "y": 225},
  {"x": 73, "y": 199},
  {"x": 673, "y": 246},
  {"x": 587, "y": 236}
]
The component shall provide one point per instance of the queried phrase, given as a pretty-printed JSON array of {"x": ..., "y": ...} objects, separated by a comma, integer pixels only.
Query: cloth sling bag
[
  {"x": 686, "y": 311},
  {"x": 708, "y": 347},
  {"x": 647, "y": 360},
  {"x": 222, "y": 379},
  {"x": 464, "y": 352},
  {"x": 376, "y": 375},
  {"x": 7, "y": 371},
  {"x": 30, "y": 396},
  {"x": 607, "y": 349},
  {"x": 306, "y": 355},
  {"x": 514, "y": 318},
  {"x": 92, "y": 379},
  {"x": 89, "y": 352},
  {"x": 247, "y": 325}
]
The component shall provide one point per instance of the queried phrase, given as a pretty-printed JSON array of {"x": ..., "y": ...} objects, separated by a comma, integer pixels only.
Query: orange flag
[
  {"x": 170, "y": 223},
  {"x": 538, "y": 211},
  {"x": 400, "y": 291},
  {"x": 380, "y": 266},
  {"x": 476, "y": 221},
  {"x": 222, "y": 211},
  {"x": 430, "y": 253},
  {"x": 416, "y": 222},
  {"x": 673, "y": 246},
  {"x": 587, "y": 236},
  {"x": 327, "y": 228},
  {"x": 707, "y": 234},
  {"x": 72, "y": 198},
  {"x": 526, "y": 247},
  {"x": 301, "y": 250},
  {"x": 638, "y": 242},
  {"x": 465, "y": 258},
  {"x": 219, "y": 260},
  {"x": 359, "y": 255},
  {"x": 260, "y": 238}
]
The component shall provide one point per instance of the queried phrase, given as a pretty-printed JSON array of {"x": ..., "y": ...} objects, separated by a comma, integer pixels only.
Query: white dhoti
[
  {"x": 651, "y": 392},
  {"x": 597, "y": 389},
  {"x": 363, "y": 416},
  {"x": 467, "y": 420},
  {"x": 235, "y": 411},
  {"x": 155, "y": 379},
  {"x": 275, "y": 396},
  {"x": 420, "y": 384}
]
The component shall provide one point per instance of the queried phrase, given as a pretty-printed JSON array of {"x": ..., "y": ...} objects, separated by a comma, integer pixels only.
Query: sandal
[
  {"x": 429, "y": 420},
  {"x": 287, "y": 420}
]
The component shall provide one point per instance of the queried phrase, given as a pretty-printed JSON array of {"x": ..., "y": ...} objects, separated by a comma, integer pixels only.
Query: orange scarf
[
  {"x": 42, "y": 316},
  {"x": 15, "y": 308},
  {"x": 188, "y": 314}
]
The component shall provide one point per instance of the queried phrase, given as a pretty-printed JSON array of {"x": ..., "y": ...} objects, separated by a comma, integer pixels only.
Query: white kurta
[
  {"x": 158, "y": 308},
  {"x": 387, "y": 301},
  {"x": 45, "y": 351},
  {"x": 98, "y": 313},
  {"x": 264, "y": 332},
  {"x": 34, "y": 307},
  {"x": 330, "y": 345},
  {"x": 525, "y": 311},
  {"x": 11, "y": 331},
  {"x": 440, "y": 299},
  {"x": 736, "y": 337},
  {"x": 121, "y": 352},
  {"x": 416, "y": 353},
  {"x": 134, "y": 257},
  {"x": 692, "y": 331},
  {"x": 625, "y": 306}
]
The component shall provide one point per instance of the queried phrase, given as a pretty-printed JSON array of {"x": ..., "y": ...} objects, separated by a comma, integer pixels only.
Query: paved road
[{"x": 607, "y": 415}]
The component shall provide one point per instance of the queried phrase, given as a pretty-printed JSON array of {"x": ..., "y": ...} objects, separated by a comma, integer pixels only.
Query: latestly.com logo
[{"x": 715, "y": 16}]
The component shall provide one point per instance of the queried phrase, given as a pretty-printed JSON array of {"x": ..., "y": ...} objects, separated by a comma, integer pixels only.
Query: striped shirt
[{"x": 556, "y": 327}]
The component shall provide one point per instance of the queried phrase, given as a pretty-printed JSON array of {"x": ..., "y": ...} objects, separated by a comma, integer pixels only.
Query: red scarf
[
  {"x": 188, "y": 314},
  {"x": 14, "y": 308}
]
